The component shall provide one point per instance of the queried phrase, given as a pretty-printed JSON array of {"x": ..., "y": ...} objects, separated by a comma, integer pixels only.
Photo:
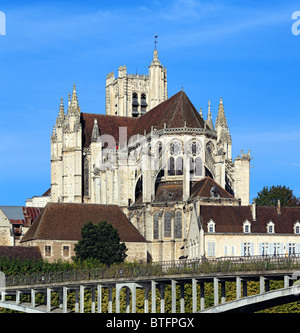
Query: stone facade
[
  {"x": 244, "y": 231},
  {"x": 165, "y": 170},
  {"x": 132, "y": 95},
  {"x": 144, "y": 142},
  {"x": 53, "y": 250},
  {"x": 15, "y": 221}
]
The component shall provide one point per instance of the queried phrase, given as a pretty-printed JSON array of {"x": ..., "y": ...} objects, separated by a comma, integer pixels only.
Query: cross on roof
[{"x": 155, "y": 41}]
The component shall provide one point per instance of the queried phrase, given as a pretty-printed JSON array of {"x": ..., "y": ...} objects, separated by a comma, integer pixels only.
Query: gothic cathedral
[{"x": 155, "y": 157}]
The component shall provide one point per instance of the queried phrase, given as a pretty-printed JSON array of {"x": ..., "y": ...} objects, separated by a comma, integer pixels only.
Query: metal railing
[{"x": 192, "y": 266}]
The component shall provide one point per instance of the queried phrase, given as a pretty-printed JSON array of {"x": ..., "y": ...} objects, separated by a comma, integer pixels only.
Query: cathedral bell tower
[{"x": 132, "y": 95}]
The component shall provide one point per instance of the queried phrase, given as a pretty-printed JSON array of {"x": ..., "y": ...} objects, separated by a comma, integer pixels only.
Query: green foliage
[
  {"x": 100, "y": 242},
  {"x": 270, "y": 196}
]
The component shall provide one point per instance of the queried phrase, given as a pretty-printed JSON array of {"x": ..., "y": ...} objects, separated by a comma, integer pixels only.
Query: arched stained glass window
[
  {"x": 178, "y": 224},
  {"x": 179, "y": 166},
  {"x": 156, "y": 225},
  {"x": 167, "y": 224},
  {"x": 171, "y": 166},
  {"x": 192, "y": 165},
  {"x": 198, "y": 166}
]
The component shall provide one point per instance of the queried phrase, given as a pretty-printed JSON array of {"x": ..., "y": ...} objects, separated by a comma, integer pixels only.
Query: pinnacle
[
  {"x": 73, "y": 103},
  {"x": 221, "y": 118}
]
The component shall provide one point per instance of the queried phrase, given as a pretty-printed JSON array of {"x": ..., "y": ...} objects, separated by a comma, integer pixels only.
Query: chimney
[
  {"x": 278, "y": 207},
  {"x": 253, "y": 210}
]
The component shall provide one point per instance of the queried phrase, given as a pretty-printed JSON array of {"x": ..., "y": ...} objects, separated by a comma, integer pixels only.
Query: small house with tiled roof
[
  {"x": 58, "y": 228},
  {"x": 14, "y": 223}
]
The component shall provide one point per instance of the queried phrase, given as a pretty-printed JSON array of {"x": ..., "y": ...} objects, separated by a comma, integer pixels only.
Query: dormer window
[
  {"x": 214, "y": 192},
  {"x": 247, "y": 227},
  {"x": 297, "y": 227},
  {"x": 270, "y": 228},
  {"x": 211, "y": 226}
]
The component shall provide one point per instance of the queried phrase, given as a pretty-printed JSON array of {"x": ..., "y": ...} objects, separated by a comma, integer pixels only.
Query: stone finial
[
  {"x": 95, "y": 133},
  {"x": 61, "y": 109},
  {"x": 200, "y": 112},
  {"x": 209, "y": 121},
  {"x": 278, "y": 207},
  {"x": 73, "y": 103},
  {"x": 221, "y": 118}
]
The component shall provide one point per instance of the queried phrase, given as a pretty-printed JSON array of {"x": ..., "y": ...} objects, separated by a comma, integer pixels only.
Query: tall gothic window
[
  {"x": 156, "y": 225},
  {"x": 179, "y": 166},
  {"x": 167, "y": 224},
  {"x": 175, "y": 162},
  {"x": 192, "y": 165},
  {"x": 171, "y": 166},
  {"x": 198, "y": 166},
  {"x": 178, "y": 224},
  {"x": 86, "y": 169}
]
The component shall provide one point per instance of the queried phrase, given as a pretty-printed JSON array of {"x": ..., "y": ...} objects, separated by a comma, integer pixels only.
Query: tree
[
  {"x": 270, "y": 196},
  {"x": 101, "y": 242}
]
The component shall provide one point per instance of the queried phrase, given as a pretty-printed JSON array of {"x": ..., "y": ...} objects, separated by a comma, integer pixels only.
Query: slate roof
[
  {"x": 21, "y": 215},
  {"x": 63, "y": 221},
  {"x": 229, "y": 219},
  {"x": 169, "y": 191},
  {"x": 176, "y": 112}
]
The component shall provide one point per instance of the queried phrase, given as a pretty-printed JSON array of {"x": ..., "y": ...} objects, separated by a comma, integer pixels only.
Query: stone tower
[
  {"x": 66, "y": 154},
  {"x": 132, "y": 95}
]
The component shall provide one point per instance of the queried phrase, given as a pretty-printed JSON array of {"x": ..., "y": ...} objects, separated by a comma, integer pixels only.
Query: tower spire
[
  {"x": 61, "y": 114},
  {"x": 209, "y": 121},
  {"x": 61, "y": 109},
  {"x": 221, "y": 118},
  {"x": 73, "y": 103}
]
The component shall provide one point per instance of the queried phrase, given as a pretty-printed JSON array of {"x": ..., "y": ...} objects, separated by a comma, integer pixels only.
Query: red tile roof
[
  {"x": 22, "y": 252},
  {"x": 229, "y": 219},
  {"x": 203, "y": 187},
  {"x": 63, "y": 221},
  {"x": 108, "y": 125},
  {"x": 176, "y": 112}
]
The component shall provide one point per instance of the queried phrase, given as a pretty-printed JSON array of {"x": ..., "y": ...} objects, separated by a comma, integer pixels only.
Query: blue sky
[{"x": 243, "y": 51}]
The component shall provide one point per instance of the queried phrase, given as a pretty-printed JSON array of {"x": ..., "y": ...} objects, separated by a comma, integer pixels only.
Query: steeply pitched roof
[
  {"x": 203, "y": 188},
  {"x": 108, "y": 125},
  {"x": 230, "y": 219},
  {"x": 63, "y": 221},
  {"x": 176, "y": 112}
]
